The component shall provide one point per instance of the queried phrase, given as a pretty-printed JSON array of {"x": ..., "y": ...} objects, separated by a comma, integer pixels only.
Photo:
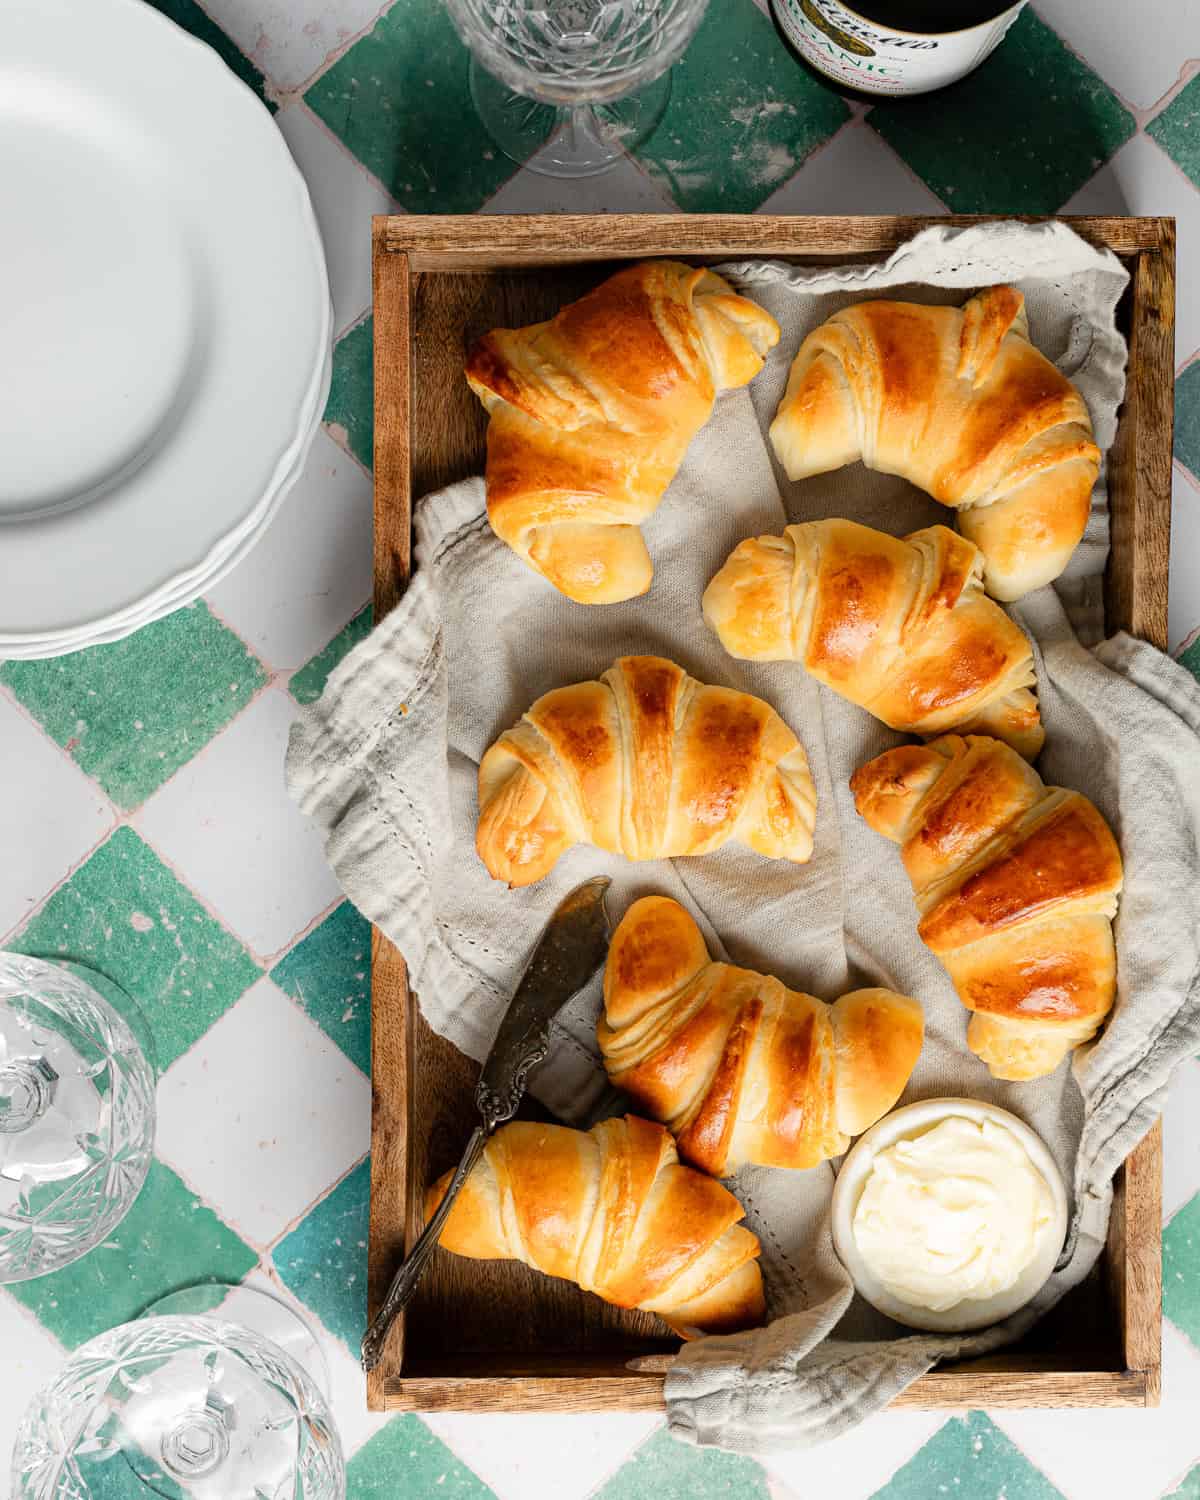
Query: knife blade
[{"x": 569, "y": 952}]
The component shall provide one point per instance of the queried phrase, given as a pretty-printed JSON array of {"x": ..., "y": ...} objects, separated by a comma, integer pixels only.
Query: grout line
[
  {"x": 32, "y": 1317},
  {"x": 332, "y": 431},
  {"x": 335, "y": 55},
  {"x": 232, "y": 629},
  {"x": 310, "y": 927},
  {"x": 394, "y": 206},
  {"x": 6, "y": 693},
  {"x": 295, "y": 1223},
  {"x": 1187, "y": 72},
  {"x": 1193, "y": 479}
]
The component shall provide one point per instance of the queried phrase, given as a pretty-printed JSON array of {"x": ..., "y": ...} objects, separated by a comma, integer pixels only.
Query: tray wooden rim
[{"x": 1136, "y": 600}]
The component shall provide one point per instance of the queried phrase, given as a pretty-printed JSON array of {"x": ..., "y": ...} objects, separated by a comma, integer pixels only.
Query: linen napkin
[{"x": 386, "y": 765}]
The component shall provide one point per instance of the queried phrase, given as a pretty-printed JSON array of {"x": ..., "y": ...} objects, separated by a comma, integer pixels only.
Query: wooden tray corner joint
[{"x": 495, "y": 1336}]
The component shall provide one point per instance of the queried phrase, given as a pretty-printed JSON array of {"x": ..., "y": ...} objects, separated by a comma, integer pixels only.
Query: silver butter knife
[{"x": 570, "y": 951}]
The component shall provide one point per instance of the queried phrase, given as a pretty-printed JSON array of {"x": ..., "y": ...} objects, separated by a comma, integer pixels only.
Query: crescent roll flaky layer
[
  {"x": 900, "y": 627},
  {"x": 592, "y": 412},
  {"x": 737, "y": 1066},
  {"x": 1016, "y": 884},
  {"x": 612, "y": 1209},
  {"x": 958, "y": 402},
  {"x": 649, "y": 763}
]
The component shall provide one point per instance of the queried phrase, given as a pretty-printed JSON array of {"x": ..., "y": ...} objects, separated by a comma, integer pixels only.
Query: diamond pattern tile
[
  {"x": 227, "y": 820},
  {"x": 982, "y": 144},
  {"x": 308, "y": 683},
  {"x": 741, "y": 118},
  {"x": 60, "y": 816},
  {"x": 324, "y": 1259},
  {"x": 328, "y": 975},
  {"x": 1122, "y": 1452},
  {"x": 547, "y": 1456},
  {"x": 312, "y": 569},
  {"x": 671, "y": 1470},
  {"x": 145, "y": 831},
  {"x": 969, "y": 1458},
  {"x": 350, "y": 410},
  {"x": 1177, "y": 129},
  {"x": 286, "y": 1114},
  {"x": 399, "y": 100},
  {"x": 124, "y": 914},
  {"x": 407, "y": 1462},
  {"x": 343, "y": 195},
  {"x": 169, "y": 1239},
  {"x": 132, "y": 713}
]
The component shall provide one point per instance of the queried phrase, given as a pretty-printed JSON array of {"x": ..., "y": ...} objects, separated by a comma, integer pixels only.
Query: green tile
[
  {"x": 1187, "y": 418},
  {"x": 743, "y": 115},
  {"x": 1190, "y": 658},
  {"x": 324, "y": 1259},
  {"x": 308, "y": 683},
  {"x": 168, "y": 1240},
  {"x": 132, "y": 713},
  {"x": 1177, "y": 129},
  {"x": 350, "y": 410},
  {"x": 1189, "y": 1489},
  {"x": 971, "y": 1459},
  {"x": 328, "y": 974},
  {"x": 1019, "y": 135},
  {"x": 187, "y": 13},
  {"x": 670, "y": 1470},
  {"x": 400, "y": 101},
  {"x": 1181, "y": 1270},
  {"x": 405, "y": 1461},
  {"x": 125, "y": 914}
]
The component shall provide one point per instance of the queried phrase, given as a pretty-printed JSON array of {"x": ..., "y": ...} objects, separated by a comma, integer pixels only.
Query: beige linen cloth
[{"x": 386, "y": 765}]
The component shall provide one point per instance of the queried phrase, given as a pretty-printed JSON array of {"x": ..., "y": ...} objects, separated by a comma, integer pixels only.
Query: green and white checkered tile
[{"x": 143, "y": 783}]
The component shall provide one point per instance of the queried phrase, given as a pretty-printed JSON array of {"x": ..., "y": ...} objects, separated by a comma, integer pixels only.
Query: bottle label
[{"x": 865, "y": 55}]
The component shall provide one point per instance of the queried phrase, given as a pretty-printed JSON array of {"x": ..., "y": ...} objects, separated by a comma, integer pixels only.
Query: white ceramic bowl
[{"x": 971, "y": 1312}]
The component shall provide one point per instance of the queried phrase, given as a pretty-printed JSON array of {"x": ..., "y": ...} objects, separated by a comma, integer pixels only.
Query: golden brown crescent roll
[
  {"x": 902, "y": 628},
  {"x": 1016, "y": 884},
  {"x": 591, "y": 414},
  {"x": 648, "y": 763},
  {"x": 960, "y": 403},
  {"x": 612, "y": 1209},
  {"x": 739, "y": 1068}
]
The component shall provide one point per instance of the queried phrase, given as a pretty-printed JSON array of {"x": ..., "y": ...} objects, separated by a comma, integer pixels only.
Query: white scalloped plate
[{"x": 164, "y": 320}]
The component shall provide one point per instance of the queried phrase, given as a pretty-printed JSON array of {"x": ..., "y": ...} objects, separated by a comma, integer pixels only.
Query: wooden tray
[{"x": 497, "y": 1336}]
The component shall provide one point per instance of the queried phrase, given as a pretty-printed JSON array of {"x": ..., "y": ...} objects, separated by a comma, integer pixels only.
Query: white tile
[
  {"x": 290, "y": 39},
  {"x": 1134, "y": 1453},
  {"x": 226, "y": 823},
  {"x": 543, "y": 1456},
  {"x": 29, "y": 1359},
  {"x": 1142, "y": 179},
  {"x": 1181, "y": 1139},
  {"x": 262, "y": 1114},
  {"x": 623, "y": 189},
  {"x": 855, "y": 173},
  {"x": 50, "y": 815},
  {"x": 860, "y": 1462},
  {"x": 1184, "y": 601},
  {"x": 1138, "y": 51},
  {"x": 312, "y": 569},
  {"x": 344, "y": 197}
]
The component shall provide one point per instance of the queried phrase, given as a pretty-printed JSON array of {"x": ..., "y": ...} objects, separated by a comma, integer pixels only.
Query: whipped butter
[{"x": 955, "y": 1212}]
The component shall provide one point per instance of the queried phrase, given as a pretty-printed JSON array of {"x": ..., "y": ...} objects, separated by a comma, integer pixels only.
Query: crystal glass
[
  {"x": 577, "y": 81},
  {"x": 76, "y": 1116},
  {"x": 179, "y": 1407}
]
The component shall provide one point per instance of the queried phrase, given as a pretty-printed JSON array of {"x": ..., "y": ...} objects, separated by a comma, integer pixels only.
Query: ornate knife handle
[{"x": 404, "y": 1284}]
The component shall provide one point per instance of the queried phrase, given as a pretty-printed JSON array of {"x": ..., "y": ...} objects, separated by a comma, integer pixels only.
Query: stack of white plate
[{"x": 165, "y": 321}]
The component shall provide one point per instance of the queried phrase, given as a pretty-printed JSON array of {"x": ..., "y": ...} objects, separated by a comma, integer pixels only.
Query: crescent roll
[
  {"x": 646, "y": 762},
  {"x": 958, "y": 402},
  {"x": 592, "y": 412},
  {"x": 613, "y": 1209},
  {"x": 1016, "y": 884},
  {"x": 900, "y": 627},
  {"x": 738, "y": 1067}
]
